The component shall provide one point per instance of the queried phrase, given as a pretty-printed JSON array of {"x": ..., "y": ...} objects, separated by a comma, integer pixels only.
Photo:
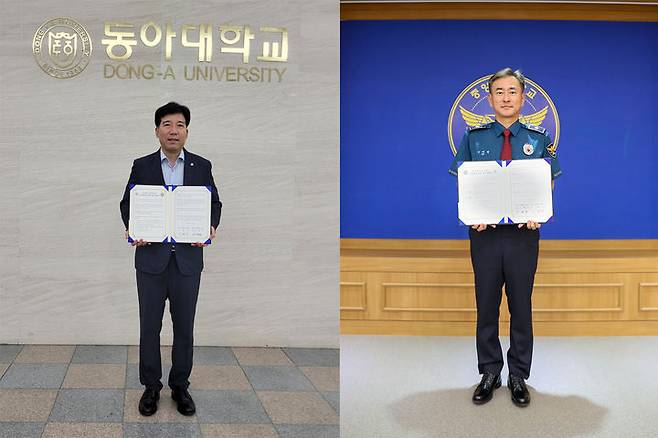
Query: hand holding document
[
  {"x": 213, "y": 234},
  {"x": 493, "y": 192},
  {"x": 169, "y": 214}
]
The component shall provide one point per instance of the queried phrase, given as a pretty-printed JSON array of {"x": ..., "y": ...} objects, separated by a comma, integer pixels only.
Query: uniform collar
[{"x": 514, "y": 129}]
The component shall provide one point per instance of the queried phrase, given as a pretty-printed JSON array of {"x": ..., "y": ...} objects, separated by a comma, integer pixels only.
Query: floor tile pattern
[{"x": 51, "y": 391}]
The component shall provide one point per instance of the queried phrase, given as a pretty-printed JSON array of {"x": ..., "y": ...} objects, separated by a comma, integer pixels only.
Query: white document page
[
  {"x": 191, "y": 214},
  {"x": 531, "y": 197},
  {"x": 481, "y": 199},
  {"x": 514, "y": 192},
  {"x": 148, "y": 213}
]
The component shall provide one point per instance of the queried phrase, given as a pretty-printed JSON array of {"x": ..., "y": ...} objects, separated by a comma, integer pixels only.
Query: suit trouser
[
  {"x": 182, "y": 292},
  {"x": 504, "y": 255}
]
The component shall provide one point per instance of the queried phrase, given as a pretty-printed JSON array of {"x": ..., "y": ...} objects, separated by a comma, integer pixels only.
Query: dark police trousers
[
  {"x": 182, "y": 292},
  {"x": 504, "y": 255}
]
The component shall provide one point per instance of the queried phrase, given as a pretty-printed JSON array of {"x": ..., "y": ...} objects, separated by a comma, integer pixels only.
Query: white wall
[{"x": 271, "y": 276}]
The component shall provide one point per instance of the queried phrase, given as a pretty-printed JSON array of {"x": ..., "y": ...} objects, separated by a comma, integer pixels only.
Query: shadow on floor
[{"x": 451, "y": 413}]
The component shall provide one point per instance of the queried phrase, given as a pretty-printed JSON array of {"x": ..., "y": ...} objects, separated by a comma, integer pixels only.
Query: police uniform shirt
[{"x": 485, "y": 142}]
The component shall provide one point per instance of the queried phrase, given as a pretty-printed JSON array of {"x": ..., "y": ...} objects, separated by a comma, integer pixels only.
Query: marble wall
[{"x": 271, "y": 276}]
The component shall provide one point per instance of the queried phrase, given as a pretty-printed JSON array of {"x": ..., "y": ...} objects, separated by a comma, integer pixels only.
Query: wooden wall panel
[
  {"x": 428, "y": 297},
  {"x": 578, "y": 297},
  {"x": 585, "y": 287},
  {"x": 630, "y": 11},
  {"x": 353, "y": 296},
  {"x": 647, "y": 298},
  {"x": 419, "y": 296}
]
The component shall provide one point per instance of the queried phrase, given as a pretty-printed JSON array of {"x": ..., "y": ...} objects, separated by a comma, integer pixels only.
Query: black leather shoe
[
  {"x": 183, "y": 401},
  {"x": 148, "y": 404},
  {"x": 484, "y": 391},
  {"x": 520, "y": 394}
]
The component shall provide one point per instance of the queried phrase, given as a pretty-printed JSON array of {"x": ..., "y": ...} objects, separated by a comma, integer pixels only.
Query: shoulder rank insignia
[
  {"x": 534, "y": 128},
  {"x": 551, "y": 149},
  {"x": 481, "y": 126}
]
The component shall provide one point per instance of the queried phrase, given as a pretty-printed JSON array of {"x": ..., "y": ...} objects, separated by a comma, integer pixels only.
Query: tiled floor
[{"x": 71, "y": 391}]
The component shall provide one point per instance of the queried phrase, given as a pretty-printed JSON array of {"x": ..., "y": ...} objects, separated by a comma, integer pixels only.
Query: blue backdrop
[{"x": 399, "y": 80}]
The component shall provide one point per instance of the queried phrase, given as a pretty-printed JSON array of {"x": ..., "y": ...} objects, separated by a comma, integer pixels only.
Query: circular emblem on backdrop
[
  {"x": 471, "y": 108},
  {"x": 62, "y": 47}
]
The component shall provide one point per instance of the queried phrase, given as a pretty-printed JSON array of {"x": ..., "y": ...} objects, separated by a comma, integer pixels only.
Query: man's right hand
[
  {"x": 140, "y": 242},
  {"x": 482, "y": 227}
]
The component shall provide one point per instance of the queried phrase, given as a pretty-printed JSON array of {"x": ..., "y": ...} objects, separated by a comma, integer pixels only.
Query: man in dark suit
[{"x": 169, "y": 270}]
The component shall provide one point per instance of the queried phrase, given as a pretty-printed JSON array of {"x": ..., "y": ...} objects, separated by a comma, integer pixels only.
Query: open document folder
[
  {"x": 498, "y": 192},
  {"x": 169, "y": 214}
]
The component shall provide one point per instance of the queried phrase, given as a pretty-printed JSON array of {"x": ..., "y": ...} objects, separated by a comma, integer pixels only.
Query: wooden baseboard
[{"x": 451, "y": 328}]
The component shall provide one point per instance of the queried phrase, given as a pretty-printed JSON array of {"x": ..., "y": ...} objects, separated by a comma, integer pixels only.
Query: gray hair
[{"x": 505, "y": 73}]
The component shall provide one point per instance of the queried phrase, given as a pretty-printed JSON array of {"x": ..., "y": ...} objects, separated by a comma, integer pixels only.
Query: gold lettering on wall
[
  {"x": 195, "y": 73},
  {"x": 62, "y": 48}
]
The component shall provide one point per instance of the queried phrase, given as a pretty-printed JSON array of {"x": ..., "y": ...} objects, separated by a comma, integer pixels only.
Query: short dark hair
[
  {"x": 172, "y": 108},
  {"x": 505, "y": 73}
]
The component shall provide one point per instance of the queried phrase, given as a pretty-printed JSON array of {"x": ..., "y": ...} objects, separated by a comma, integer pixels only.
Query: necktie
[{"x": 506, "y": 153}]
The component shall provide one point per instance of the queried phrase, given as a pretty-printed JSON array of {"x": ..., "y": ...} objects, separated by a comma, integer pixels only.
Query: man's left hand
[
  {"x": 213, "y": 233},
  {"x": 531, "y": 225}
]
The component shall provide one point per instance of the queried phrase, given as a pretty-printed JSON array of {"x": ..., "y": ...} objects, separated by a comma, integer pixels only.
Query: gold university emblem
[{"x": 62, "y": 47}]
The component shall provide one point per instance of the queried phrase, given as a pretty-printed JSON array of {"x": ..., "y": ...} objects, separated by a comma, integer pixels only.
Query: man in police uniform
[{"x": 505, "y": 254}]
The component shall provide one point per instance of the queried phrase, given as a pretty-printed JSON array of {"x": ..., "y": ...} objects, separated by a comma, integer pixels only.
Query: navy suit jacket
[{"x": 147, "y": 170}]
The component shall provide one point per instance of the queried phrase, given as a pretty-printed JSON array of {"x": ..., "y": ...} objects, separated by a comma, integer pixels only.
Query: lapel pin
[
  {"x": 528, "y": 149},
  {"x": 191, "y": 164}
]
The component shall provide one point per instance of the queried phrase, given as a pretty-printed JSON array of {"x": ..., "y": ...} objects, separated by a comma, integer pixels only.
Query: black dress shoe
[
  {"x": 484, "y": 391},
  {"x": 520, "y": 394},
  {"x": 148, "y": 404},
  {"x": 184, "y": 401}
]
